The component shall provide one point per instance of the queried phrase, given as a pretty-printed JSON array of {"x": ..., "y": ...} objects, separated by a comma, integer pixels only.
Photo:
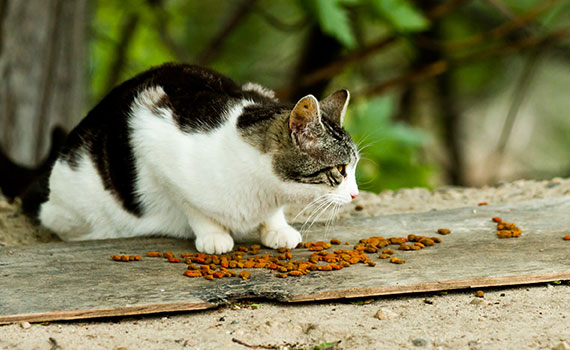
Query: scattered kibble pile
[
  {"x": 211, "y": 266},
  {"x": 506, "y": 229}
]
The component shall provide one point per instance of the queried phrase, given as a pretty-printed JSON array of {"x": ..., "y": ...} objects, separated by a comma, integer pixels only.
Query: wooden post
[{"x": 42, "y": 73}]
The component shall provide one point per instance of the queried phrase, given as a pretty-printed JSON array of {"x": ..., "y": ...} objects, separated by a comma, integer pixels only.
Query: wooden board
[{"x": 62, "y": 281}]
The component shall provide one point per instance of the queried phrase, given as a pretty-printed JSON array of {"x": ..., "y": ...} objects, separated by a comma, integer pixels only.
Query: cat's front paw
[
  {"x": 279, "y": 237},
  {"x": 214, "y": 243}
]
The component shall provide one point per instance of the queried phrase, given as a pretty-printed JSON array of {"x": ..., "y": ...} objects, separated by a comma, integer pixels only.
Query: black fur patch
[
  {"x": 255, "y": 114},
  {"x": 197, "y": 96}
]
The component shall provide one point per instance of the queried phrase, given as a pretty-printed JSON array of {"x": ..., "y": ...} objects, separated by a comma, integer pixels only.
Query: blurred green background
[{"x": 454, "y": 92}]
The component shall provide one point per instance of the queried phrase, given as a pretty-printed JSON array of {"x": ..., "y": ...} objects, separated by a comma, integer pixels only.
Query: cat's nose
[{"x": 353, "y": 195}]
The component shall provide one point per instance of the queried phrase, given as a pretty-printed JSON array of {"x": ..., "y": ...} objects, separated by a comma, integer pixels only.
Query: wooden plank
[{"x": 58, "y": 281}]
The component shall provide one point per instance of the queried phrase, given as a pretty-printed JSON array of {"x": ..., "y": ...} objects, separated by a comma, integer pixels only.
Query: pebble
[
  {"x": 25, "y": 324},
  {"x": 473, "y": 343},
  {"x": 477, "y": 301},
  {"x": 234, "y": 322},
  {"x": 562, "y": 346},
  {"x": 385, "y": 314},
  {"x": 420, "y": 342}
]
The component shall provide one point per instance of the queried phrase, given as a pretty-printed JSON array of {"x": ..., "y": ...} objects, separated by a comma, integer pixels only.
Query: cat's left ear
[{"x": 334, "y": 106}]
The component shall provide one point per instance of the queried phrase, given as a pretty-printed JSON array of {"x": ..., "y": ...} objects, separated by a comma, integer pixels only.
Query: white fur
[{"x": 208, "y": 186}]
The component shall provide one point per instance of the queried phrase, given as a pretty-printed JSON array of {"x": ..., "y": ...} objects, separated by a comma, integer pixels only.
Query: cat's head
[{"x": 318, "y": 153}]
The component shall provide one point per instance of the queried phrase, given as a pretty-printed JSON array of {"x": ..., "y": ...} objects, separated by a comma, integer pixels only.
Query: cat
[{"x": 183, "y": 151}]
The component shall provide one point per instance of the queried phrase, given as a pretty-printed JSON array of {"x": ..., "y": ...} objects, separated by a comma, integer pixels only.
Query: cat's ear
[
  {"x": 304, "y": 114},
  {"x": 334, "y": 106}
]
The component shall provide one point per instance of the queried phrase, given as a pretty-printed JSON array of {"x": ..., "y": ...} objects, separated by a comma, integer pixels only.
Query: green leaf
[
  {"x": 333, "y": 19},
  {"x": 401, "y": 14},
  {"x": 326, "y": 345},
  {"x": 556, "y": 282}
]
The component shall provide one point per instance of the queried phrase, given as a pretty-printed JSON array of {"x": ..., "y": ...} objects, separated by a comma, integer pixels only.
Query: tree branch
[
  {"x": 215, "y": 45},
  {"x": 338, "y": 66},
  {"x": 277, "y": 23},
  {"x": 121, "y": 49},
  {"x": 442, "y": 66},
  {"x": 161, "y": 18}
]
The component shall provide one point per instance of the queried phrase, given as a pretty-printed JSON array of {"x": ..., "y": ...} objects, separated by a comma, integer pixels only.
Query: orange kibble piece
[
  {"x": 173, "y": 260},
  {"x": 566, "y": 238},
  {"x": 168, "y": 255},
  {"x": 193, "y": 273},
  {"x": 497, "y": 219},
  {"x": 209, "y": 277},
  {"x": 244, "y": 275},
  {"x": 295, "y": 273},
  {"x": 154, "y": 254}
]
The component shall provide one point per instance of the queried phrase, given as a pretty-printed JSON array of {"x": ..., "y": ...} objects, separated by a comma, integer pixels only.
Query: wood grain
[{"x": 63, "y": 281}]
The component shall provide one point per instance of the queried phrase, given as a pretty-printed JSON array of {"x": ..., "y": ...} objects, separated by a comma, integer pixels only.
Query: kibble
[
  {"x": 566, "y": 238},
  {"x": 443, "y": 231},
  {"x": 479, "y": 294},
  {"x": 125, "y": 258}
]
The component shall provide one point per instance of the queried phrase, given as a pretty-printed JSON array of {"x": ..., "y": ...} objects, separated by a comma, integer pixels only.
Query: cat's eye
[{"x": 341, "y": 169}]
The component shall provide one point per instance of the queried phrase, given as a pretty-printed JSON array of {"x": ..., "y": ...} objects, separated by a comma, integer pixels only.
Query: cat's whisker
[
  {"x": 314, "y": 202},
  {"x": 320, "y": 214},
  {"x": 313, "y": 214}
]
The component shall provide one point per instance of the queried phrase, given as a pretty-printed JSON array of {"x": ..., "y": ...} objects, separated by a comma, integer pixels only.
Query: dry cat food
[
  {"x": 213, "y": 266},
  {"x": 566, "y": 238},
  {"x": 506, "y": 229},
  {"x": 480, "y": 294},
  {"x": 125, "y": 258},
  {"x": 443, "y": 231}
]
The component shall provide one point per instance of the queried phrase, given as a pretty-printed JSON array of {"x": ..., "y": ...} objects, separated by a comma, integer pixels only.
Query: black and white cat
[{"x": 183, "y": 151}]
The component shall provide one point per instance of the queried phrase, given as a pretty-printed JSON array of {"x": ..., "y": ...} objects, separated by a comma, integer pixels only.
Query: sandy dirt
[{"x": 525, "y": 317}]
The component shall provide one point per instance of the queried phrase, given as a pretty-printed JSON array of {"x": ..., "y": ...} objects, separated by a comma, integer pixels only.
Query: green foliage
[
  {"x": 401, "y": 14},
  {"x": 333, "y": 19},
  {"x": 390, "y": 156},
  {"x": 326, "y": 345}
]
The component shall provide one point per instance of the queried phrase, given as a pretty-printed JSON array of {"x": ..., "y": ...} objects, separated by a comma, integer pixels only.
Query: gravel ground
[{"x": 527, "y": 317}]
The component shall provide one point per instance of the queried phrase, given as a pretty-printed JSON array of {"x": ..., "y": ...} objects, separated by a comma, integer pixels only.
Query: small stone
[
  {"x": 420, "y": 342},
  {"x": 25, "y": 324},
  {"x": 428, "y": 301},
  {"x": 562, "y": 346},
  {"x": 358, "y": 208},
  {"x": 473, "y": 343},
  {"x": 385, "y": 314},
  {"x": 222, "y": 319},
  {"x": 477, "y": 301},
  {"x": 234, "y": 322}
]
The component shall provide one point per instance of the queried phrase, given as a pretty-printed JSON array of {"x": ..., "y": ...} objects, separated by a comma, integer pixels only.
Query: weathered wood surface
[{"x": 59, "y": 281}]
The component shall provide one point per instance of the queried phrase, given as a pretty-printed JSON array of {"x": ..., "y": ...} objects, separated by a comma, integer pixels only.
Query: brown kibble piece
[
  {"x": 281, "y": 275},
  {"x": 168, "y": 255},
  {"x": 335, "y": 241},
  {"x": 566, "y": 238},
  {"x": 295, "y": 273},
  {"x": 244, "y": 275},
  {"x": 209, "y": 277},
  {"x": 384, "y": 256},
  {"x": 371, "y": 263},
  {"x": 443, "y": 231},
  {"x": 436, "y": 239},
  {"x": 482, "y": 204},
  {"x": 479, "y": 294},
  {"x": 497, "y": 219},
  {"x": 154, "y": 254},
  {"x": 388, "y": 251}
]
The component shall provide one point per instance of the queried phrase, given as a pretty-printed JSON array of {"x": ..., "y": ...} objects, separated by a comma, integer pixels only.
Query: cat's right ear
[
  {"x": 304, "y": 114},
  {"x": 304, "y": 117}
]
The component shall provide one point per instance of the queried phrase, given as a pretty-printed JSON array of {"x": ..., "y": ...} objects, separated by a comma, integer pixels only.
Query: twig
[
  {"x": 277, "y": 23},
  {"x": 442, "y": 66},
  {"x": 254, "y": 346},
  {"x": 122, "y": 46},
  {"x": 498, "y": 32},
  {"x": 521, "y": 89},
  {"x": 161, "y": 18},
  {"x": 54, "y": 344},
  {"x": 215, "y": 45}
]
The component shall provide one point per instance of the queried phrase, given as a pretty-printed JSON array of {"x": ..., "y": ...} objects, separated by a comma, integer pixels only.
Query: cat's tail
[{"x": 31, "y": 184}]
